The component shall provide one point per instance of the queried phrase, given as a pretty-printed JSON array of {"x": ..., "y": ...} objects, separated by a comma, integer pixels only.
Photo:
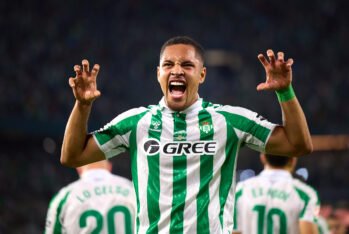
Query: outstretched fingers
[
  {"x": 78, "y": 71},
  {"x": 263, "y": 60},
  {"x": 289, "y": 63},
  {"x": 281, "y": 56},
  {"x": 85, "y": 66},
  {"x": 271, "y": 56},
  {"x": 95, "y": 70},
  {"x": 84, "y": 84}
]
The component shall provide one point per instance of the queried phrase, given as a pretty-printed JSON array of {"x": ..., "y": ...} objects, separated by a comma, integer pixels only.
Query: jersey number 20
[{"x": 110, "y": 219}]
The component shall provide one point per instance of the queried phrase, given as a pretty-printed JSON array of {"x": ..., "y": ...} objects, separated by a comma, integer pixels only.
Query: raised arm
[
  {"x": 293, "y": 137},
  {"x": 79, "y": 148}
]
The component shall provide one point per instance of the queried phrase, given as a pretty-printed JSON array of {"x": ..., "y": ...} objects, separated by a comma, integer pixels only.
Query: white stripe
[
  {"x": 166, "y": 176},
  {"x": 114, "y": 143},
  {"x": 251, "y": 141},
  {"x": 125, "y": 115},
  {"x": 193, "y": 178},
  {"x": 143, "y": 172},
  {"x": 220, "y": 133}
]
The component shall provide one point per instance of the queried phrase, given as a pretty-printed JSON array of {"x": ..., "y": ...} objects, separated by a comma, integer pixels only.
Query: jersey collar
[
  {"x": 95, "y": 174},
  {"x": 194, "y": 108},
  {"x": 276, "y": 174}
]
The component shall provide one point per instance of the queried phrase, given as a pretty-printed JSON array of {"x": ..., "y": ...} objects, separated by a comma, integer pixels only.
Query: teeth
[{"x": 177, "y": 83}]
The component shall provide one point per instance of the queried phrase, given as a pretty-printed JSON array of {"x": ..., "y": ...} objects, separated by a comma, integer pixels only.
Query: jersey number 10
[{"x": 260, "y": 209}]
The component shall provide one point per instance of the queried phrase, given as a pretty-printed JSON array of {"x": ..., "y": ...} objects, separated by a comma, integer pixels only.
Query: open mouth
[{"x": 177, "y": 88}]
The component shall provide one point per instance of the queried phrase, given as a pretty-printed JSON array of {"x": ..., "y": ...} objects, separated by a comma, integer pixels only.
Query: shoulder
[
  {"x": 305, "y": 190},
  {"x": 126, "y": 119},
  {"x": 236, "y": 111},
  {"x": 61, "y": 196},
  {"x": 248, "y": 182},
  {"x": 134, "y": 112}
]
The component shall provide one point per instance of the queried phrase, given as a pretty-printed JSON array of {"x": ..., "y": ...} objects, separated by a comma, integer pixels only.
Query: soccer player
[
  {"x": 184, "y": 149},
  {"x": 274, "y": 201},
  {"x": 99, "y": 202}
]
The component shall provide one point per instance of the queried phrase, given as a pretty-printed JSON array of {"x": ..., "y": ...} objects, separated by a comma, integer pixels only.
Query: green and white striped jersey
[
  {"x": 99, "y": 202},
  {"x": 183, "y": 163},
  {"x": 274, "y": 202}
]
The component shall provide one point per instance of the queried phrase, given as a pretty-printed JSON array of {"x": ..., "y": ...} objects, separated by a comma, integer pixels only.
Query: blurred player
[
  {"x": 183, "y": 150},
  {"x": 99, "y": 202},
  {"x": 274, "y": 201},
  {"x": 322, "y": 225}
]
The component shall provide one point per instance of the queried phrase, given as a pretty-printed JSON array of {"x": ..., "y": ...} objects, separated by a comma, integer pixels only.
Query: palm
[
  {"x": 278, "y": 72},
  {"x": 84, "y": 84}
]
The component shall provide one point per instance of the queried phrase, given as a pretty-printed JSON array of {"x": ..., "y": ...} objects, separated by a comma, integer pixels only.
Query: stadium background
[{"x": 42, "y": 40}]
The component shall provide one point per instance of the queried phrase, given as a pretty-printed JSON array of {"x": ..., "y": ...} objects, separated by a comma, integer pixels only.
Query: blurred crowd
[{"x": 42, "y": 40}]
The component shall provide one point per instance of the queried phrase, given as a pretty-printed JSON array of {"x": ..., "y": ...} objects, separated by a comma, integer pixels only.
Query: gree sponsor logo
[{"x": 153, "y": 146}]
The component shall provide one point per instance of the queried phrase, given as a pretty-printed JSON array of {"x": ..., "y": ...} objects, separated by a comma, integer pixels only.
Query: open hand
[
  {"x": 278, "y": 72},
  {"x": 84, "y": 83}
]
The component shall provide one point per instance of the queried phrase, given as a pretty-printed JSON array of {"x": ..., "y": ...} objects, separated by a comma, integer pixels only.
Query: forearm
[
  {"x": 306, "y": 227},
  {"x": 296, "y": 127},
  {"x": 75, "y": 136}
]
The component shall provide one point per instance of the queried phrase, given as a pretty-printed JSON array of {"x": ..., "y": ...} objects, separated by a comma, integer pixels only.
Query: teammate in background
[
  {"x": 183, "y": 150},
  {"x": 274, "y": 201},
  {"x": 99, "y": 202},
  {"x": 322, "y": 225}
]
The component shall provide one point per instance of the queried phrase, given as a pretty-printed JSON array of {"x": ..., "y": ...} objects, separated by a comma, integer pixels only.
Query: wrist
[
  {"x": 83, "y": 105},
  {"x": 285, "y": 94}
]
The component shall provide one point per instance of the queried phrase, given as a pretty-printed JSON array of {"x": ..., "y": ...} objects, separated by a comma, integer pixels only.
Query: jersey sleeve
[
  {"x": 114, "y": 137},
  {"x": 54, "y": 215},
  {"x": 251, "y": 128}
]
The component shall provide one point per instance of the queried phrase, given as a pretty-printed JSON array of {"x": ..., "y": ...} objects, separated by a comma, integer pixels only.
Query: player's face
[{"x": 180, "y": 73}]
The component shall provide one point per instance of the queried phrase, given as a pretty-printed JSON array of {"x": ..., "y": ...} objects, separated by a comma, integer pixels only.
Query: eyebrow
[{"x": 181, "y": 62}]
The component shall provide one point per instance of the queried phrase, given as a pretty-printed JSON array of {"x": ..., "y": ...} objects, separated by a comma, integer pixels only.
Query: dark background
[{"x": 41, "y": 41}]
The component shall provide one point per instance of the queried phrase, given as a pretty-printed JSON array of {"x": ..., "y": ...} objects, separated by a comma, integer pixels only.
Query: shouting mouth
[{"x": 177, "y": 88}]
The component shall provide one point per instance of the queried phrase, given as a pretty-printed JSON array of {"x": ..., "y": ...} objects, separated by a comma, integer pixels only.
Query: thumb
[
  {"x": 262, "y": 86},
  {"x": 71, "y": 82}
]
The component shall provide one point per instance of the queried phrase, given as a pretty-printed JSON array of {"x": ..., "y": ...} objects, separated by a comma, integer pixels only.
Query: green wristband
[{"x": 286, "y": 94}]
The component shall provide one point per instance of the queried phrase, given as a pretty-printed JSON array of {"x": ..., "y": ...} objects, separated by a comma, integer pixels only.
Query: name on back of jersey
[
  {"x": 271, "y": 192},
  {"x": 102, "y": 190}
]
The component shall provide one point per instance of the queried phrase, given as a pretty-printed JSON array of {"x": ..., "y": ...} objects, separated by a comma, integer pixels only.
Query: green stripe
[
  {"x": 179, "y": 176},
  {"x": 206, "y": 104},
  {"x": 228, "y": 167},
  {"x": 153, "y": 187},
  {"x": 304, "y": 196},
  {"x": 206, "y": 173},
  {"x": 237, "y": 196},
  {"x": 119, "y": 128},
  {"x": 58, "y": 226},
  {"x": 246, "y": 125},
  {"x": 133, "y": 157}
]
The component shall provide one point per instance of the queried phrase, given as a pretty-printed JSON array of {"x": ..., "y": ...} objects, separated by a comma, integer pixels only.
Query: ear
[
  {"x": 79, "y": 170},
  {"x": 262, "y": 158},
  {"x": 158, "y": 73},
  {"x": 202, "y": 75},
  {"x": 109, "y": 166}
]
